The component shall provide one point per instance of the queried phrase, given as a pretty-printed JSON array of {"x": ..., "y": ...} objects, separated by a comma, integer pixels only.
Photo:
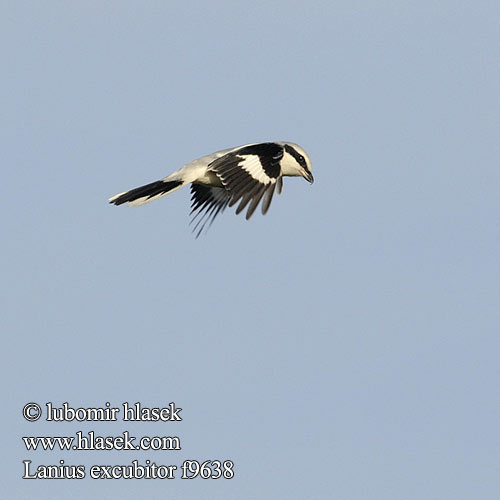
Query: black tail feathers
[{"x": 145, "y": 193}]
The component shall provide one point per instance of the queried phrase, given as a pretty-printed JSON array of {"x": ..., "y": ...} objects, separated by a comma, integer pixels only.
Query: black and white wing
[
  {"x": 249, "y": 174},
  {"x": 206, "y": 203}
]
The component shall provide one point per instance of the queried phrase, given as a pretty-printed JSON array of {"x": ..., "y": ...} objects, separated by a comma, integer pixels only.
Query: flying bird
[{"x": 245, "y": 174}]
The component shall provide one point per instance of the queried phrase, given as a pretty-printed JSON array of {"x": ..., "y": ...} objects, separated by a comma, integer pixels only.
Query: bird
[{"x": 245, "y": 174}]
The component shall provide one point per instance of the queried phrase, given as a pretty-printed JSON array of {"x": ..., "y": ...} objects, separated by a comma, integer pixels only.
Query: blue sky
[{"x": 345, "y": 345}]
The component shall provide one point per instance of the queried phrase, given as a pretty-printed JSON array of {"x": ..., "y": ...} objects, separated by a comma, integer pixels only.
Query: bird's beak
[{"x": 308, "y": 176}]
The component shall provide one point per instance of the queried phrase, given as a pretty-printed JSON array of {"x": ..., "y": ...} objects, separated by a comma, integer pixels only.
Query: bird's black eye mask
[{"x": 298, "y": 157}]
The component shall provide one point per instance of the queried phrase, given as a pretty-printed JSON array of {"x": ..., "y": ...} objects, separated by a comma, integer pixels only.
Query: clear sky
[{"x": 344, "y": 346}]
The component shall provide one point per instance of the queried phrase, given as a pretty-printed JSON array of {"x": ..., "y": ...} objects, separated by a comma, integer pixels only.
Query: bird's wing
[
  {"x": 250, "y": 173},
  {"x": 206, "y": 203}
]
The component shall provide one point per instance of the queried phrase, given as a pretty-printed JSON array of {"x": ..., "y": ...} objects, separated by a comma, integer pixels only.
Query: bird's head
[{"x": 296, "y": 163}]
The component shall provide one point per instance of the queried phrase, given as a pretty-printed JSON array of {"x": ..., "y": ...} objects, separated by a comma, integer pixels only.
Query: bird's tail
[{"x": 147, "y": 193}]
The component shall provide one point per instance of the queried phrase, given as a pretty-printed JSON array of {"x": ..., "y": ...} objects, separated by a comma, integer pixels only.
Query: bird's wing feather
[
  {"x": 206, "y": 203},
  {"x": 280, "y": 185},
  {"x": 249, "y": 173}
]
